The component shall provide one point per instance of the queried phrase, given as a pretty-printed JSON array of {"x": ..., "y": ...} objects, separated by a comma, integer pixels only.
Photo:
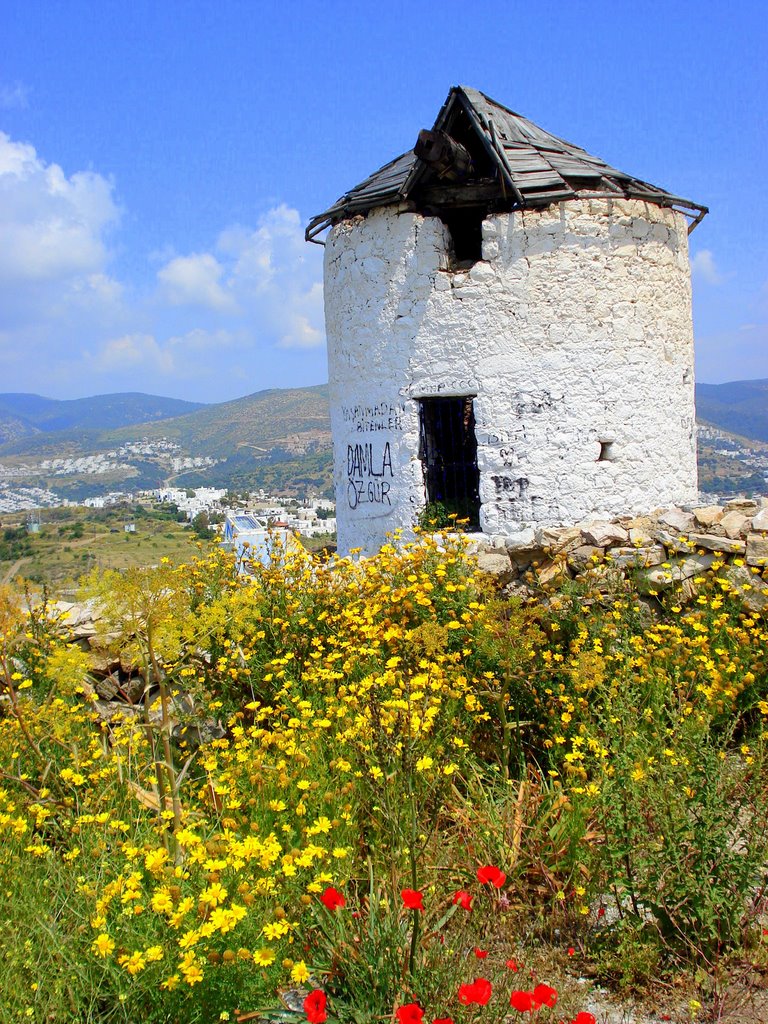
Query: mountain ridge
[
  {"x": 24, "y": 413},
  {"x": 277, "y": 438},
  {"x": 738, "y": 406}
]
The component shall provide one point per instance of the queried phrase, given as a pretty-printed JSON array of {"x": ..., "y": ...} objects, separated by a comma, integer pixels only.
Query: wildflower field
[{"x": 426, "y": 802}]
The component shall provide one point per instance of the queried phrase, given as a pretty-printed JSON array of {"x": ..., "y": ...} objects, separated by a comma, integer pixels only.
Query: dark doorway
[{"x": 448, "y": 452}]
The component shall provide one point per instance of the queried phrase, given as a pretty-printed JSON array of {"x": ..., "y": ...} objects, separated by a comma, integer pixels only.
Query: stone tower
[{"x": 509, "y": 334}]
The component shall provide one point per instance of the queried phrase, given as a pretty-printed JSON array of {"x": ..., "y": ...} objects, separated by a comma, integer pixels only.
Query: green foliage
[
  {"x": 14, "y": 543},
  {"x": 434, "y": 516},
  {"x": 389, "y": 724}
]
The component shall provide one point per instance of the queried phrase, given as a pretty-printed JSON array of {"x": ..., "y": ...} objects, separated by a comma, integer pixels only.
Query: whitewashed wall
[{"x": 575, "y": 328}]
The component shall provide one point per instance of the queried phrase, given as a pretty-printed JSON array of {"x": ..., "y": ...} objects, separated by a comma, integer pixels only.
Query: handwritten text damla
[{"x": 369, "y": 471}]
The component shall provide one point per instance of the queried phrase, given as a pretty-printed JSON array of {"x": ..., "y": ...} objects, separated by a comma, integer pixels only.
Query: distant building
[
  {"x": 252, "y": 539},
  {"x": 509, "y": 333}
]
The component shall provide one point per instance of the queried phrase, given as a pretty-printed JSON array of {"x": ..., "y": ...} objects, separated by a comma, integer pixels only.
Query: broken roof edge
[
  {"x": 395, "y": 181},
  {"x": 341, "y": 210}
]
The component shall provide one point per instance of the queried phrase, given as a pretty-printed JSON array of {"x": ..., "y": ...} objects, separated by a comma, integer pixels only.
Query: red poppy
[
  {"x": 411, "y": 1013},
  {"x": 481, "y": 954},
  {"x": 523, "y": 1002},
  {"x": 443, "y": 1020},
  {"x": 545, "y": 994},
  {"x": 463, "y": 898},
  {"x": 314, "y": 1006},
  {"x": 490, "y": 874},
  {"x": 584, "y": 1017},
  {"x": 571, "y": 951},
  {"x": 478, "y": 992},
  {"x": 412, "y": 898},
  {"x": 332, "y": 898}
]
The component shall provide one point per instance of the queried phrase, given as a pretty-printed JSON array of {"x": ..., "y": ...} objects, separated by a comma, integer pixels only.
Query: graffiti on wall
[
  {"x": 373, "y": 418},
  {"x": 369, "y": 474},
  {"x": 435, "y": 388}
]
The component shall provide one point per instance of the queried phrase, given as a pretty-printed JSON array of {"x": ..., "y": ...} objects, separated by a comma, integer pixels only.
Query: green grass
[{"x": 74, "y": 541}]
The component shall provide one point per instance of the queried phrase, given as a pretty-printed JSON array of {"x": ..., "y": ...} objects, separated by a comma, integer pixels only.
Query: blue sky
[{"x": 158, "y": 161}]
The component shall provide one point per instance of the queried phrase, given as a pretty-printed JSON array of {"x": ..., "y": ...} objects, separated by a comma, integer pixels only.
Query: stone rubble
[
  {"x": 117, "y": 689},
  {"x": 669, "y": 546}
]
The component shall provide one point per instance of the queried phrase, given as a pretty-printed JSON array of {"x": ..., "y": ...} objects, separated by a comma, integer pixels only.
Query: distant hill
[
  {"x": 739, "y": 407},
  {"x": 278, "y": 439},
  {"x": 296, "y": 419},
  {"x": 22, "y": 415}
]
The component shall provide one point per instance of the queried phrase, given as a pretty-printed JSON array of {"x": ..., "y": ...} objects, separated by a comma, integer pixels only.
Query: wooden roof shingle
[{"x": 533, "y": 167}]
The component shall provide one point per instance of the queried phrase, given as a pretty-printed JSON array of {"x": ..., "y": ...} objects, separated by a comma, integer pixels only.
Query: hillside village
[{"x": 738, "y": 466}]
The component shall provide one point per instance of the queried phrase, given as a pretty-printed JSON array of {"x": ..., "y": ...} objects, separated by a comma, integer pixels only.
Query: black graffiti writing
[
  {"x": 367, "y": 470},
  {"x": 373, "y": 418},
  {"x": 456, "y": 387},
  {"x": 509, "y": 488}
]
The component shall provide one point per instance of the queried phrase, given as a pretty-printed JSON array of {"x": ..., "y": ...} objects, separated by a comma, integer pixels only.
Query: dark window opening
[
  {"x": 606, "y": 452},
  {"x": 448, "y": 452},
  {"x": 466, "y": 231}
]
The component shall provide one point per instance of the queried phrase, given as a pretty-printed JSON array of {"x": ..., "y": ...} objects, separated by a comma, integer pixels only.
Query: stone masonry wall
[
  {"x": 662, "y": 549},
  {"x": 574, "y": 329}
]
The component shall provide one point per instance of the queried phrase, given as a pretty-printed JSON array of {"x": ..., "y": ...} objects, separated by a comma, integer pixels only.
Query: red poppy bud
[
  {"x": 332, "y": 898},
  {"x": 512, "y": 965},
  {"x": 584, "y": 1017},
  {"x": 412, "y": 898},
  {"x": 314, "y": 1006},
  {"x": 481, "y": 954},
  {"x": 601, "y": 912},
  {"x": 411, "y": 1013},
  {"x": 491, "y": 875},
  {"x": 571, "y": 951},
  {"x": 463, "y": 898}
]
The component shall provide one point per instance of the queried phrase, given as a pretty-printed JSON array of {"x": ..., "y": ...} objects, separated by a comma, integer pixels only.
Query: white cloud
[
  {"x": 133, "y": 351},
  {"x": 53, "y": 240},
  {"x": 245, "y": 312},
  {"x": 266, "y": 277},
  {"x": 195, "y": 281},
  {"x": 703, "y": 268},
  {"x": 14, "y": 97},
  {"x": 51, "y": 227}
]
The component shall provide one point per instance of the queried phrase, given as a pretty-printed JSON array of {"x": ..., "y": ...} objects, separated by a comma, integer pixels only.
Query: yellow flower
[
  {"x": 264, "y": 957},
  {"x": 103, "y": 945},
  {"x": 162, "y": 902},
  {"x": 134, "y": 964},
  {"x": 214, "y": 894},
  {"x": 155, "y": 860},
  {"x": 299, "y": 972},
  {"x": 193, "y": 975}
]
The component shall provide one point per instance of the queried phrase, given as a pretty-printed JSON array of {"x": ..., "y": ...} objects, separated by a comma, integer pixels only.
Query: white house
[
  {"x": 252, "y": 540},
  {"x": 509, "y": 333}
]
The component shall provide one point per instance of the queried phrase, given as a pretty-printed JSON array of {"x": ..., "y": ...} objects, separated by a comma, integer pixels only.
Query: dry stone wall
[
  {"x": 667, "y": 547},
  {"x": 573, "y": 332}
]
